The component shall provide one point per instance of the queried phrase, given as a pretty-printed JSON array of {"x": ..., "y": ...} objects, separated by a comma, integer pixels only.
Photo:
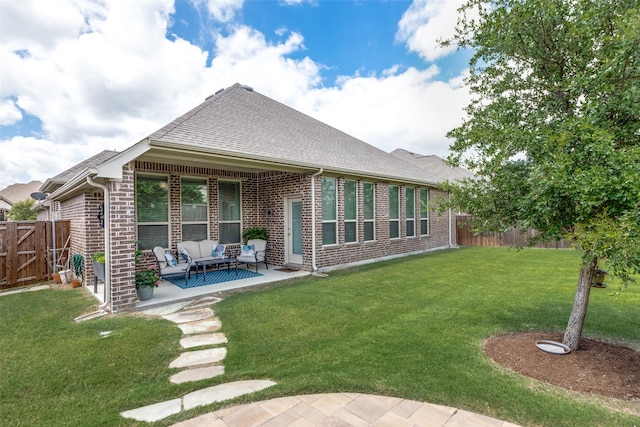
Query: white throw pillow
[{"x": 247, "y": 250}]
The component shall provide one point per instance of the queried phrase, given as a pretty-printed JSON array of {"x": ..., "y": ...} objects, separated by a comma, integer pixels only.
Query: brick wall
[{"x": 264, "y": 204}]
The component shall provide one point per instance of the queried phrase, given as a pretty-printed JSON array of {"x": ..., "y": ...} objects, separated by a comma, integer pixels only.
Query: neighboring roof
[
  {"x": 241, "y": 122},
  {"x": 51, "y": 184},
  {"x": 19, "y": 192},
  {"x": 435, "y": 165}
]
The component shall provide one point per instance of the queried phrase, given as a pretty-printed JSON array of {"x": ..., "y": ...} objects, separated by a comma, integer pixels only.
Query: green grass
[{"x": 409, "y": 328}]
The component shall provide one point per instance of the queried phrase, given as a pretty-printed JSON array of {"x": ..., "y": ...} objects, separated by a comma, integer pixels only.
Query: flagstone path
[{"x": 199, "y": 325}]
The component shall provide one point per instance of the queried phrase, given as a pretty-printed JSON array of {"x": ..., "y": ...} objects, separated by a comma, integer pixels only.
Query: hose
[{"x": 78, "y": 263}]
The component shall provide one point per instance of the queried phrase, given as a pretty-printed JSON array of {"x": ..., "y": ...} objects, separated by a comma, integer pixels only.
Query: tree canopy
[
  {"x": 21, "y": 211},
  {"x": 553, "y": 130}
]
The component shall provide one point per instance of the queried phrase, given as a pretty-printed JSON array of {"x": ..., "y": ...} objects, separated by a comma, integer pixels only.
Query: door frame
[{"x": 289, "y": 256}]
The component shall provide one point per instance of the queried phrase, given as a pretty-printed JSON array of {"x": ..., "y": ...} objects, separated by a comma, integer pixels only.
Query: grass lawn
[{"x": 409, "y": 328}]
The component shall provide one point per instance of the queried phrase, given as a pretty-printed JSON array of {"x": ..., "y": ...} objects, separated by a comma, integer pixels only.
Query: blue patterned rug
[{"x": 213, "y": 277}]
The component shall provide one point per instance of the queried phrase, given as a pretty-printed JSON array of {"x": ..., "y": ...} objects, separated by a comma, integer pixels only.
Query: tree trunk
[{"x": 576, "y": 320}]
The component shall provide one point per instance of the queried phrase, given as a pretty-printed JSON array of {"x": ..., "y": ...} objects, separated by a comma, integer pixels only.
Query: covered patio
[{"x": 168, "y": 293}]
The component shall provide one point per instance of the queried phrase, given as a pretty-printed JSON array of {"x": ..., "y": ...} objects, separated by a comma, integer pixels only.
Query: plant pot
[
  {"x": 56, "y": 278},
  {"x": 145, "y": 293},
  {"x": 75, "y": 283},
  {"x": 98, "y": 270}
]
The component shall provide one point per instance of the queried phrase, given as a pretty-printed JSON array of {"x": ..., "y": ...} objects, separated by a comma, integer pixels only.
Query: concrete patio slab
[
  {"x": 216, "y": 338},
  {"x": 199, "y": 357}
]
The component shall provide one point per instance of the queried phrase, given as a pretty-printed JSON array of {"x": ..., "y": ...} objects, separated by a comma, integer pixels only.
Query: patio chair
[
  {"x": 169, "y": 265},
  {"x": 254, "y": 252}
]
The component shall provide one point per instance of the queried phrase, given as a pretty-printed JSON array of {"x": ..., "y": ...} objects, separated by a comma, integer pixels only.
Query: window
[
  {"x": 368, "y": 201},
  {"x": 329, "y": 211},
  {"x": 229, "y": 221},
  {"x": 194, "y": 210},
  {"x": 394, "y": 212},
  {"x": 410, "y": 194},
  {"x": 350, "y": 211},
  {"x": 152, "y": 211},
  {"x": 424, "y": 211}
]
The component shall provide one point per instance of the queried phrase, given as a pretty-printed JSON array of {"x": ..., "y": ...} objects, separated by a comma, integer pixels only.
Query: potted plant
[
  {"x": 98, "y": 259},
  {"x": 146, "y": 281},
  {"x": 255, "y": 233}
]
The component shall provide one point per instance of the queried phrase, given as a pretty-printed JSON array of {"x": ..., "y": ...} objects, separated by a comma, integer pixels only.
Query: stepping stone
[
  {"x": 154, "y": 412},
  {"x": 204, "y": 339},
  {"x": 166, "y": 309},
  {"x": 223, "y": 392},
  {"x": 187, "y": 316},
  {"x": 200, "y": 327},
  {"x": 197, "y": 374},
  {"x": 199, "y": 357},
  {"x": 204, "y": 302}
]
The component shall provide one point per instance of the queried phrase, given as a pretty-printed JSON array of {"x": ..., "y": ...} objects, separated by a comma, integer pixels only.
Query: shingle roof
[
  {"x": 19, "y": 192},
  {"x": 434, "y": 165},
  {"x": 52, "y": 183},
  {"x": 251, "y": 125}
]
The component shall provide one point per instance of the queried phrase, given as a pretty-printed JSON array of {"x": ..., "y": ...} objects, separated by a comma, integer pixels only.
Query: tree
[
  {"x": 21, "y": 211},
  {"x": 553, "y": 130}
]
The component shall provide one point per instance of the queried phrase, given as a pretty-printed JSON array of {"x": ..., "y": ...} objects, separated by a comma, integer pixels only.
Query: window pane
[
  {"x": 150, "y": 236},
  {"x": 194, "y": 200},
  {"x": 394, "y": 210},
  {"x": 368, "y": 231},
  {"x": 424, "y": 203},
  {"x": 394, "y": 229},
  {"x": 229, "y": 206},
  {"x": 152, "y": 199},
  {"x": 411, "y": 228},
  {"x": 410, "y": 203},
  {"x": 329, "y": 233},
  {"x": 424, "y": 227},
  {"x": 229, "y": 233},
  {"x": 367, "y": 198},
  {"x": 350, "y": 200},
  {"x": 194, "y": 232},
  {"x": 350, "y": 232},
  {"x": 328, "y": 199}
]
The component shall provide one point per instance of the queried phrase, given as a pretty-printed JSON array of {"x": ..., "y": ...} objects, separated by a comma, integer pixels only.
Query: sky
[{"x": 81, "y": 76}]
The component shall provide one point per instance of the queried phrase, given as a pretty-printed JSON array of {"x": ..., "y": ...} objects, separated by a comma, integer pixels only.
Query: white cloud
[
  {"x": 9, "y": 113},
  {"x": 409, "y": 109},
  {"x": 222, "y": 10},
  {"x": 103, "y": 75},
  {"x": 426, "y": 22}
]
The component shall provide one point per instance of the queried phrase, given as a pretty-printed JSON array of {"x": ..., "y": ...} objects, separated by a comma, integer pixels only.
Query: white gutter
[
  {"x": 313, "y": 219},
  {"x": 107, "y": 246}
]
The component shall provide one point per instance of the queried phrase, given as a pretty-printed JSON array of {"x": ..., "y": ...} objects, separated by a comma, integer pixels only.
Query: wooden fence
[
  {"x": 512, "y": 237},
  {"x": 27, "y": 251}
]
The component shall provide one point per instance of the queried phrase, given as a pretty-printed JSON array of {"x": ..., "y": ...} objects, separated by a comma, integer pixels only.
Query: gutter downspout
[
  {"x": 107, "y": 246},
  {"x": 313, "y": 219}
]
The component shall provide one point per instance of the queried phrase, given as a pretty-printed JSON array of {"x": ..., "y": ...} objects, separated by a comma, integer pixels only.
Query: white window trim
[
  {"x": 372, "y": 220},
  {"x": 426, "y": 211},
  {"x": 413, "y": 214},
  {"x": 168, "y": 222},
  {"x": 330, "y": 221},
  {"x": 394, "y": 220},
  {"x": 220, "y": 221},
  {"x": 353, "y": 220},
  {"x": 206, "y": 220}
]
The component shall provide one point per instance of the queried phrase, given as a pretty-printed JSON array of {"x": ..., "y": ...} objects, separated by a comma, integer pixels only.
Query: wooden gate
[{"x": 26, "y": 251}]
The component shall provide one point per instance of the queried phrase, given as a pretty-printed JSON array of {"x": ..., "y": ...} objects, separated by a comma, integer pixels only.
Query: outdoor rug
[{"x": 213, "y": 277}]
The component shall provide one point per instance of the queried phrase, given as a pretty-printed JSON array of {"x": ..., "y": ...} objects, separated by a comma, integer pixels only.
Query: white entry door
[{"x": 294, "y": 231}]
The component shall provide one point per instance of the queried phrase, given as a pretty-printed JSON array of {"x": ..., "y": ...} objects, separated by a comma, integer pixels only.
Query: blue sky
[{"x": 81, "y": 76}]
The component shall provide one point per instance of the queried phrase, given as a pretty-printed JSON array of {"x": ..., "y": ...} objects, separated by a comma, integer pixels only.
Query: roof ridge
[{"x": 191, "y": 113}]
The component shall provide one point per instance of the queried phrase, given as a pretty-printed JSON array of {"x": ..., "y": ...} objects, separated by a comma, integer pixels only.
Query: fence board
[
  {"x": 512, "y": 237},
  {"x": 25, "y": 251}
]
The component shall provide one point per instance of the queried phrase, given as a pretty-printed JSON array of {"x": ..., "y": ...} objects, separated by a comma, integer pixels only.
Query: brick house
[{"x": 238, "y": 160}]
